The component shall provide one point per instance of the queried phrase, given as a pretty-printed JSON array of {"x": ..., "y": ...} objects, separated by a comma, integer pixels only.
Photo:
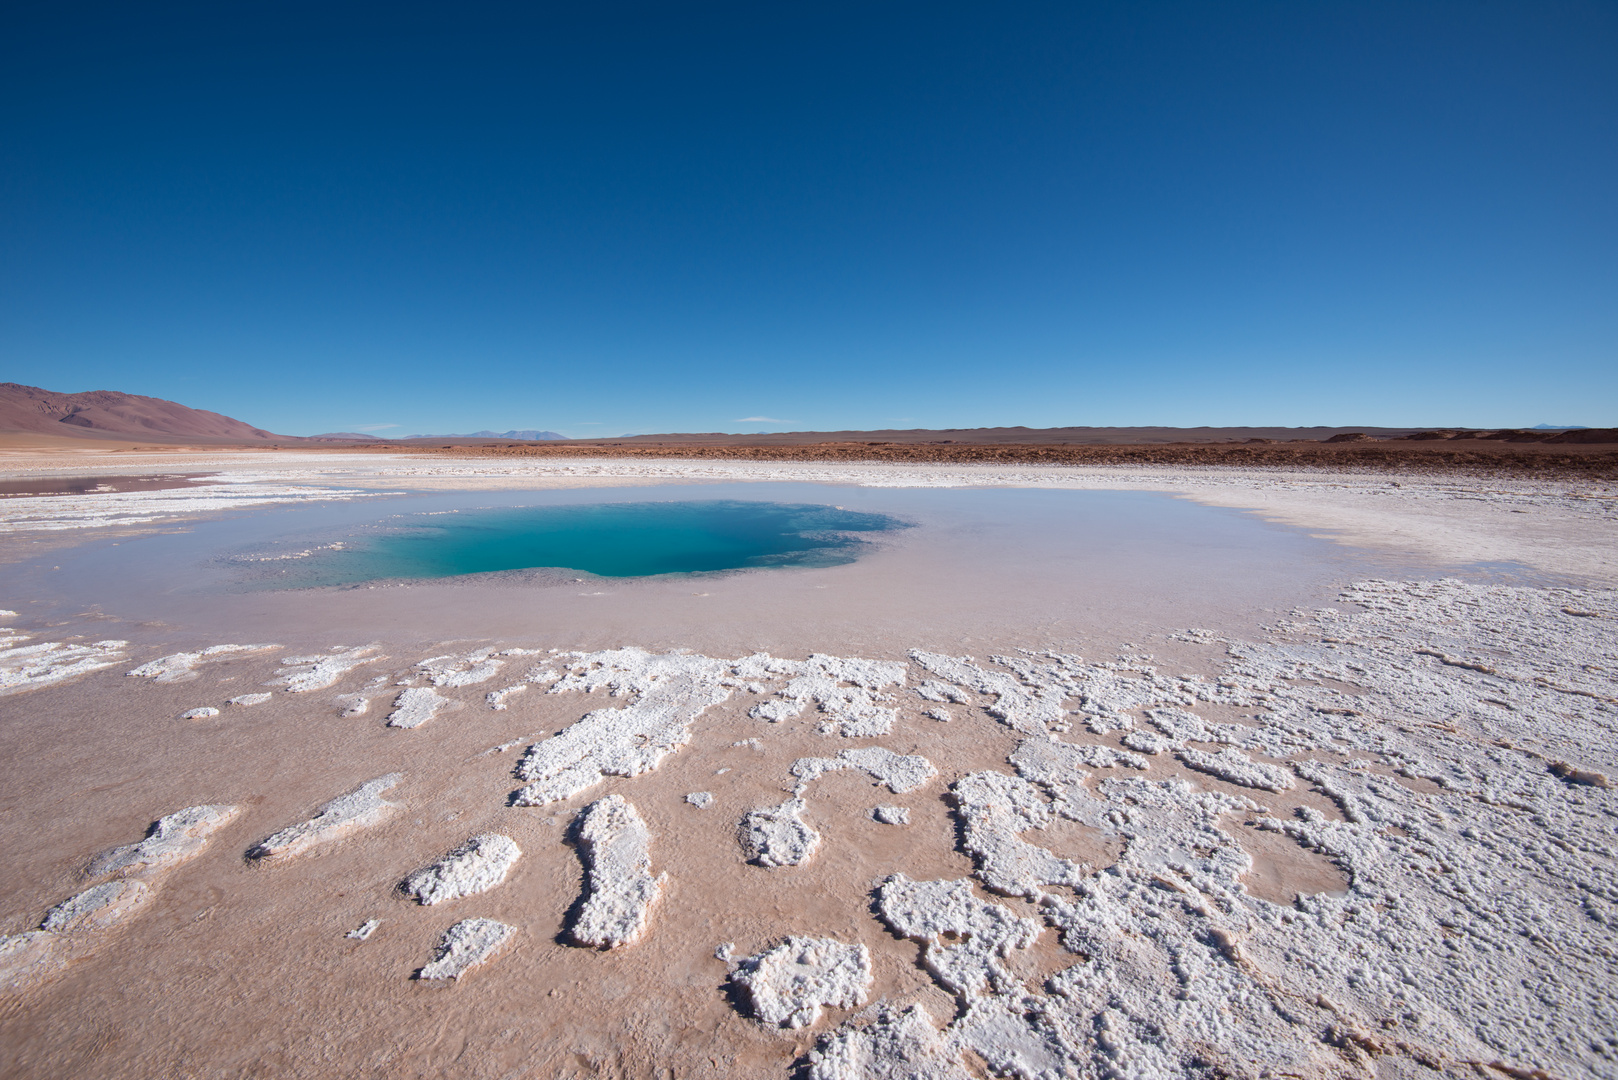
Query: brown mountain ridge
[{"x": 112, "y": 413}]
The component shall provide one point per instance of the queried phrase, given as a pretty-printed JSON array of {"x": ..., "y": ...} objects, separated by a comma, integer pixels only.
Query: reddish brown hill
[{"x": 99, "y": 413}]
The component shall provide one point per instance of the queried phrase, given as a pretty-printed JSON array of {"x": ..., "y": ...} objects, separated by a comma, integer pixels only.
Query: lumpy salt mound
[
  {"x": 669, "y": 692},
  {"x": 359, "y": 809},
  {"x": 476, "y": 866},
  {"x": 778, "y": 835},
  {"x": 182, "y": 666},
  {"x": 172, "y": 839},
  {"x": 466, "y": 945},
  {"x": 619, "y": 886},
  {"x": 790, "y": 983}
]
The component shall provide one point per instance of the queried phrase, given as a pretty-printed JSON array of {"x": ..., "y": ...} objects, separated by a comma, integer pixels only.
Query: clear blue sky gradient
[{"x": 601, "y": 218}]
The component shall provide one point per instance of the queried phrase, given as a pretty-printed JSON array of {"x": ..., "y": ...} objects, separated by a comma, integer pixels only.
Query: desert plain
[{"x": 1136, "y": 767}]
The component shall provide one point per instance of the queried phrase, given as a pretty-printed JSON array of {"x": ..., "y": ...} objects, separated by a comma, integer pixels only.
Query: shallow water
[
  {"x": 610, "y": 540},
  {"x": 1012, "y": 566}
]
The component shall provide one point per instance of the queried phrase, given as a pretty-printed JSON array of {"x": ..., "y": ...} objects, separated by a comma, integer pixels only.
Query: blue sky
[{"x": 724, "y": 217}]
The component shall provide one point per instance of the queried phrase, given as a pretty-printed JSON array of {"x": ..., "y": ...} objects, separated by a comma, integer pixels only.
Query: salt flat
[{"x": 1363, "y": 830}]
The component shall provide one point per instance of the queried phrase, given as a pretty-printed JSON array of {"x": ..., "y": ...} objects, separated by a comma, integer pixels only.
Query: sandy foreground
[{"x": 1368, "y": 837}]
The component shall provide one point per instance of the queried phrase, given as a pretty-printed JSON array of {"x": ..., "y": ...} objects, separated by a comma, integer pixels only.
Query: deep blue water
[{"x": 615, "y": 540}]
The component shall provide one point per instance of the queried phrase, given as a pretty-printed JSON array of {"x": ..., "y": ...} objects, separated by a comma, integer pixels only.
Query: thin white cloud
[
  {"x": 760, "y": 420},
  {"x": 375, "y": 427}
]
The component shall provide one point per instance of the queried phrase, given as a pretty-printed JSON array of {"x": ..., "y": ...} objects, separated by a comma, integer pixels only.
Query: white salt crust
[
  {"x": 71, "y": 929},
  {"x": 847, "y": 692},
  {"x": 1464, "y": 734},
  {"x": 359, "y": 809},
  {"x": 498, "y": 700},
  {"x": 778, "y": 835},
  {"x": 467, "y": 669},
  {"x": 894, "y": 1045},
  {"x": 123, "y": 509},
  {"x": 364, "y": 930},
  {"x": 206, "y": 712},
  {"x": 1233, "y": 765},
  {"x": 417, "y": 705},
  {"x": 890, "y": 815},
  {"x": 172, "y": 839},
  {"x": 900, "y": 772},
  {"x": 669, "y": 692},
  {"x": 700, "y": 799},
  {"x": 182, "y": 667},
  {"x": 1469, "y": 908},
  {"x": 789, "y": 984},
  {"x": 249, "y": 699},
  {"x": 97, "y": 907},
  {"x": 620, "y": 889},
  {"x": 29, "y": 667},
  {"x": 994, "y": 808},
  {"x": 464, "y": 946},
  {"x": 300, "y": 674},
  {"x": 476, "y": 866}
]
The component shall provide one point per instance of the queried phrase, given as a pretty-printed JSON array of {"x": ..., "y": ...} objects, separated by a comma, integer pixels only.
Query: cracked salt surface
[
  {"x": 359, "y": 809},
  {"x": 789, "y": 983},
  {"x": 846, "y": 691},
  {"x": 670, "y": 692},
  {"x": 1447, "y": 746},
  {"x": 475, "y": 867},
  {"x": 619, "y": 887}
]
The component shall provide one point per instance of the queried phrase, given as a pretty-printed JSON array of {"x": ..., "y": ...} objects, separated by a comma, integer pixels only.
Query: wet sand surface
[{"x": 241, "y": 966}]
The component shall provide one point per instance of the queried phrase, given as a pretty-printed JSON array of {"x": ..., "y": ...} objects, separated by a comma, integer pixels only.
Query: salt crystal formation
[
  {"x": 417, "y": 705},
  {"x": 1233, "y": 765},
  {"x": 497, "y": 699},
  {"x": 778, "y": 835},
  {"x": 29, "y": 667},
  {"x": 364, "y": 930},
  {"x": 182, "y": 667},
  {"x": 464, "y": 946},
  {"x": 895, "y": 1046},
  {"x": 300, "y": 674},
  {"x": 1027, "y": 708},
  {"x": 994, "y": 808},
  {"x": 670, "y": 691},
  {"x": 790, "y": 983},
  {"x": 97, "y": 907},
  {"x": 700, "y": 799},
  {"x": 966, "y": 938},
  {"x": 172, "y": 839},
  {"x": 359, "y": 809},
  {"x": 249, "y": 699},
  {"x": 476, "y": 866},
  {"x": 466, "y": 669},
  {"x": 620, "y": 889},
  {"x": 1467, "y": 909},
  {"x": 207, "y": 712},
  {"x": 890, "y": 815},
  {"x": 900, "y": 772},
  {"x": 847, "y": 691},
  {"x": 71, "y": 929}
]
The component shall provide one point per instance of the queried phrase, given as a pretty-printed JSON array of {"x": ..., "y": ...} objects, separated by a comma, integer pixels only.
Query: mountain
[
  {"x": 110, "y": 413},
  {"x": 526, "y": 435}
]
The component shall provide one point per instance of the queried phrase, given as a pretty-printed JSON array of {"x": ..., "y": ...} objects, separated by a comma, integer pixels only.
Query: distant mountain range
[{"x": 526, "y": 434}]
